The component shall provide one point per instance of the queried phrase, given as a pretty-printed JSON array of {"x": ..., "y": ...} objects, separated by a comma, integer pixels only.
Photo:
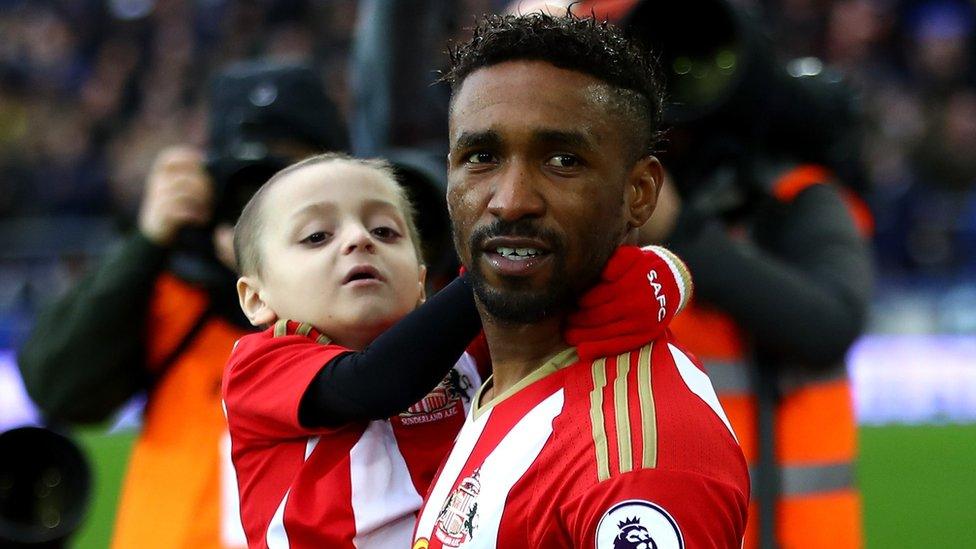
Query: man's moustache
[{"x": 525, "y": 228}]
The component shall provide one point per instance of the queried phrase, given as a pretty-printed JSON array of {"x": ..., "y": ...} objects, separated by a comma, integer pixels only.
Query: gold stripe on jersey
[
  {"x": 303, "y": 329},
  {"x": 596, "y": 419},
  {"x": 281, "y": 328},
  {"x": 621, "y": 409},
  {"x": 323, "y": 339},
  {"x": 648, "y": 416}
]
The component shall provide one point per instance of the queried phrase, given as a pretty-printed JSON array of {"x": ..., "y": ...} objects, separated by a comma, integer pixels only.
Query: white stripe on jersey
[
  {"x": 506, "y": 464},
  {"x": 231, "y": 530},
  {"x": 698, "y": 382},
  {"x": 276, "y": 537},
  {"x": 384, "y": 499},
  {"x": 467, "y": 438}
]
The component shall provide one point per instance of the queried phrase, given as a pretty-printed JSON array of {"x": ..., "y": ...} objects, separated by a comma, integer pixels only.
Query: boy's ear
[
  {"x": 423, "y": 287},
  {"x": 255, "y": 309}
]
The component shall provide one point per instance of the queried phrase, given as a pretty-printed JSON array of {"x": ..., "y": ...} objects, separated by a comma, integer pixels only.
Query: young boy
[{"x": 329, "y": 259}]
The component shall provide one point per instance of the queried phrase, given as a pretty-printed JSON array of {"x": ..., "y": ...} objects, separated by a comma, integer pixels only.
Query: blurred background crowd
[{"x": 92, "y": 90}]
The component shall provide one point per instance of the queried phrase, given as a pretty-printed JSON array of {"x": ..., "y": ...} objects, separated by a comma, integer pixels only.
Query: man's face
[{"x": 538, "y": 173}]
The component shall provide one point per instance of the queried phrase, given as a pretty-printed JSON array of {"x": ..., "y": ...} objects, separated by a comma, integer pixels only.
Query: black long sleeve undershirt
[{"x": 397, "y": 369}]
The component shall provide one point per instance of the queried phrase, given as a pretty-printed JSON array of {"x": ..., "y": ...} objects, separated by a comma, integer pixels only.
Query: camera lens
[
  {"x": 702, "y": 51},
  {"x": 44, "y": 485}
]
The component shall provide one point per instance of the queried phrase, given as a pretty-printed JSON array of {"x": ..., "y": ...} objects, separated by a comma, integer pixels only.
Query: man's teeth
[{"x": 518, "y": 253}]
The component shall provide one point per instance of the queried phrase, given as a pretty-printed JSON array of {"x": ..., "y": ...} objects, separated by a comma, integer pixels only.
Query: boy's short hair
[{"x": 250, "y": 223}]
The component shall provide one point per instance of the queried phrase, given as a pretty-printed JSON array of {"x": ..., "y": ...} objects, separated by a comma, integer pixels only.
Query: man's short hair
[
  {"x": 249, "y": 226},
  {"x": 583, "y": 45}
]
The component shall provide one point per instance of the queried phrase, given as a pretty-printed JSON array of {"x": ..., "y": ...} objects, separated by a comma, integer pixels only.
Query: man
[
  {"x": 160, "y": 314},
  {"x": 552, "y": 121}
]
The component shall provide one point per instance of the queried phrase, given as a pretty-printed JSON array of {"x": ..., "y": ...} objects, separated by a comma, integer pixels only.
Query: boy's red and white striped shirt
[
  {"x": 358, "y": 485},
  {"x": 598, "y": 453}
]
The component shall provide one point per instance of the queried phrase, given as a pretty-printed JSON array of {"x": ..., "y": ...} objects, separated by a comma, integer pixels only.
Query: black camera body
[
  {"x": 255, "y": 107},
  {"x": 732, "y": 109}
]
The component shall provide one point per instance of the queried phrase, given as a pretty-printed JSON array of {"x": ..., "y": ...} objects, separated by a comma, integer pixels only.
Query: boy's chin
[{"x": 378, "y": 318}]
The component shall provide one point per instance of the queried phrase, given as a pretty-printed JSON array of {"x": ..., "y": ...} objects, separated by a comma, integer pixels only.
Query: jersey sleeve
[
  {"x": 675, "y": 509},
  {"x": 265, "y": 380}
]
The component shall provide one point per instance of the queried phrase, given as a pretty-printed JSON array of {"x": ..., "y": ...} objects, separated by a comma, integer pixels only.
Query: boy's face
[{"x": 335, "y": 252}]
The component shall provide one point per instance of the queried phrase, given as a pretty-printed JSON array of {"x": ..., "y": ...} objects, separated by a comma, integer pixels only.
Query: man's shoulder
[{"x": 651, "y": 408}]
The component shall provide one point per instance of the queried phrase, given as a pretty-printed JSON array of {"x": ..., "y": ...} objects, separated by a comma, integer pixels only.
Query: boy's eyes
[
  {"x": 385, "y": 233},
  {"x": 315, "y": 238}
]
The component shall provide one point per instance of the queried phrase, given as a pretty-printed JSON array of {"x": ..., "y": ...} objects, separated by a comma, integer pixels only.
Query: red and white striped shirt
[
  {"x": 358, "y": 485},
  {"x": 610, "y": 453}
]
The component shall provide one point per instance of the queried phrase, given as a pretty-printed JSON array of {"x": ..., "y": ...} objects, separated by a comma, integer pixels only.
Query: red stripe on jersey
[
  {"x": 610, "y": 416},
  {"x": 634, "y": 411},
  {"x": 424, "y": 446},
  {"x": 685, "y": 413},
  {"x": 306, "y": 508}
]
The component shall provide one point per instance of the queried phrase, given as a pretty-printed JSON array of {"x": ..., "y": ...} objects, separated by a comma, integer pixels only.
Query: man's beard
[{"x": 518, "y": 302}]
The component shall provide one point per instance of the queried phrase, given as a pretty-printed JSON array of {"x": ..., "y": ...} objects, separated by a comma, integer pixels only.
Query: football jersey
[
  {"x": 356, "y": 485},
  {"x": 627, "y": 451}
]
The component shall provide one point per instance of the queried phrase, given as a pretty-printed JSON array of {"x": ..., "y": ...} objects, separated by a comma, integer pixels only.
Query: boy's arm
[{"x": 399, "y": 368}]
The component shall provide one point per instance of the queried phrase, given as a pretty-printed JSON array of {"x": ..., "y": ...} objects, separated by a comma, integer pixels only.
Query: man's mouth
[
  {"x": 518, "y": 254},
  {"x": 515, "y": 256}
]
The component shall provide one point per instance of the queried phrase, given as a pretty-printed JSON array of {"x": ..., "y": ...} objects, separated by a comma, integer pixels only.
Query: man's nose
[
  {"x": 516, "y": 194},
  {"x": 357, "y": 237}
]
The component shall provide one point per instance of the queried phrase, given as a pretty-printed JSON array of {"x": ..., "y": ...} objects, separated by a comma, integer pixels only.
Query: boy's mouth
[{"x": 362, "y": 272}]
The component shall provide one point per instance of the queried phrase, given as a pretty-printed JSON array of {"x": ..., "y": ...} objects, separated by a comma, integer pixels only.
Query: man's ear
[
  {"x": 255, "y": 309},
  {"x": 643, "y": 186},
  {"x": 423, "y": 285}
]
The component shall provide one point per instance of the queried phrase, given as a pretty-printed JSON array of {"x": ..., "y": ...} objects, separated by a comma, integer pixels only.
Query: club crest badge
[
  {"x": 638, "y": 524},
  {"x": 446, "y": 400},
  {"x": 458, "y": 519}
]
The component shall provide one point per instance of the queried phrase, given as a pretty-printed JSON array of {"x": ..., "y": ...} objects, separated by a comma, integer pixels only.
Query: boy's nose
[{"x": 358, "y": 238}]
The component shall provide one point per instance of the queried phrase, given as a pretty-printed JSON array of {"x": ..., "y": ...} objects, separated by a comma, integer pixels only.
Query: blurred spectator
[{"x": 941, "y": 34}]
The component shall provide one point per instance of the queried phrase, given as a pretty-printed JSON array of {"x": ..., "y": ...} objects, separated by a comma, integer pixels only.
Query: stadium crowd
[{"x": 91, "y": 90}]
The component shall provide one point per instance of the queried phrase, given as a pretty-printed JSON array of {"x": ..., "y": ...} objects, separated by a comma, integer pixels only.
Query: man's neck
[{"x": 518, "y": 350}]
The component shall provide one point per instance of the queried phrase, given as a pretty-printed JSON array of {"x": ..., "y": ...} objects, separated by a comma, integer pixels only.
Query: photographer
[{"x": 160, "y": 314}]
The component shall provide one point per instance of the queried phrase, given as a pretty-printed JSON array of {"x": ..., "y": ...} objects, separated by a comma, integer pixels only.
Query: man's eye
[
  {"x": 480, "y": 158},
  {"x": 563, "y": 161},
  {"x": 385, "y": 233},
  {"x": 315, "y": 238}
]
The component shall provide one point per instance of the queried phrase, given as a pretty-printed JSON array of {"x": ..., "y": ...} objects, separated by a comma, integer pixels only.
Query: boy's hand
[{"x": 640, "y": 291}]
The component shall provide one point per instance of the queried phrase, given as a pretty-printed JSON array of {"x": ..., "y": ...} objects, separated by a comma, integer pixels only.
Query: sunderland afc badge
[{"x": 458, "y": 519}]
